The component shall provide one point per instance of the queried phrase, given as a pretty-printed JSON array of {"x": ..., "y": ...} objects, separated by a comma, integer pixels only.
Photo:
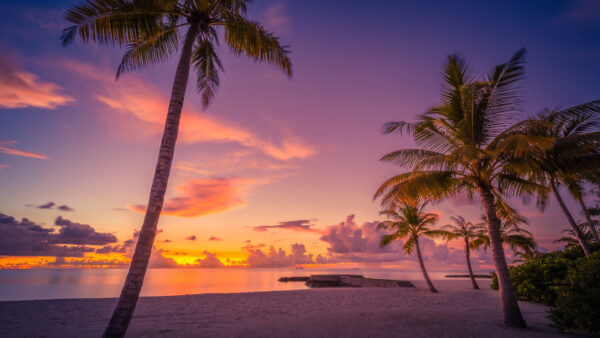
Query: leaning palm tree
[
  {"x": 408, "y": 220},
  {"x": 464, "y": 146},
  {"x": 468, "y": 232},
  {"x": 575, "y": 185},
  {"x": 152, "y": 32},
  {"x": 571, "y": 240},
  {"x": 573, "y": 155}
]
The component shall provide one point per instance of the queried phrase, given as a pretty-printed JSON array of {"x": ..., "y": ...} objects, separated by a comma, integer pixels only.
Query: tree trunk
[
  {"x": 468, "y": 254},
  {"x": 510, "y": 307},
  {"x": 588, "y": 217},
  {"x": 574, "y": 226},
  {"x": 135, "y": 278},
  {"x": 429, "y": 283}
]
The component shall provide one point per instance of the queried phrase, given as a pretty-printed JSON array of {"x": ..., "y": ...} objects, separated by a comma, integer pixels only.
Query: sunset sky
[{"x": 276, "y": 172}]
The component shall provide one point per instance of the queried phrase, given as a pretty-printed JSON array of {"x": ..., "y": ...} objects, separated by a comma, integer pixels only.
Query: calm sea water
[{"x": 100, "y": 283}]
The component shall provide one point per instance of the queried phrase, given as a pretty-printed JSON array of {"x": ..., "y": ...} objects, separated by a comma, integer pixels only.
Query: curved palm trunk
[
  {"x": 135, "y": 278},
  {"x": 429, "y": 283},
  {"x": 574, "y": 226},
  {"x": 588, "y": 217},
  {"x": 510, "y": 307},
  {"x": 468, "y": 254}
]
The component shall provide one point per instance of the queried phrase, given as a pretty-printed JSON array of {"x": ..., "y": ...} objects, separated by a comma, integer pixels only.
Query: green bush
[
  {"x": 540, "y": 279},
  {"x": 578, "y": 303}
]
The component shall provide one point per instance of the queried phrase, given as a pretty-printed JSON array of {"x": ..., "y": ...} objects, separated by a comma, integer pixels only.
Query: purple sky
[{"x": 269, "y": 151}]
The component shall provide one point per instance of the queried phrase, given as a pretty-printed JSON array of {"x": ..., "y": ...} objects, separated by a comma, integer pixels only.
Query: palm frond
[
  {"x": 149, "y": 50},
  {"x": 207, "y": 65},
  {"x": 118, "y": 21},
  {"x": 503, "y": 98},
  {"x": 250, "y": 38}
]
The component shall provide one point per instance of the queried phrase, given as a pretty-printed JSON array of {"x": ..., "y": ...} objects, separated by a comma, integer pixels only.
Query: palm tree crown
[
  {"x": 151, "y": 31},
  {"x": 513, "y": 235},
  {"x": 463, "y": 229},
  {"x": 572, "y": 158}
]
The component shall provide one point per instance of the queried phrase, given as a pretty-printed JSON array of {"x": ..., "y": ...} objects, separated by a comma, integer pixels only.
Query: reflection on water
[{"x": 100, "y": 283}]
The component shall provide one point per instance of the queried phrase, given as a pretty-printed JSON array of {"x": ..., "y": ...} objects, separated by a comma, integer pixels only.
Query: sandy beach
[{"x": 457, "y": 311}]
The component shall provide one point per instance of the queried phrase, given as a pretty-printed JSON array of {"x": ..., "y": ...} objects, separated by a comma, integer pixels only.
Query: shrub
[
  {"x": 540, "y": 279},
  {"x": 578, "y": 303}
]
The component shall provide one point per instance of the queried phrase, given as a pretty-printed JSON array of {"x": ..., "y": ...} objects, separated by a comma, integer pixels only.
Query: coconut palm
[
  {"x": 468, "y": 232},
  {"x": 152, "y": 32},
  {"x": 570, "y": 238},
  {"x": 573, "y": 155},
  {"x": 513, "y": 236},
  {"x": 575, "y": 185},
  {"x": 411, "y": 222},
  {"x": 467, "y": 144}
]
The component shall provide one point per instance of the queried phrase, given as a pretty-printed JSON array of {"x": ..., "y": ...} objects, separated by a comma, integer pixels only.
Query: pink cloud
[
  {"x": 6, "y": 148},
  {"x": 278, "y": 258},
  {"x": 210, "y": 260},
  {"x": 204, "y": 196},
  {"x": 135, "y": 97},
  {"x": 20, "y": 89}
]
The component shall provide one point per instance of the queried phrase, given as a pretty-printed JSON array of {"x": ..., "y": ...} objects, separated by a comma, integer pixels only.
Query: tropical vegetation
[
  {"x": 565, "y": 280},
  {"x": 469, "y": 233},
  {"x": 468, "y": 144},
  {"x": 410, "y": 221},
  {"x": 152, "y": 32},
  {"x": 572, "y": 158}
]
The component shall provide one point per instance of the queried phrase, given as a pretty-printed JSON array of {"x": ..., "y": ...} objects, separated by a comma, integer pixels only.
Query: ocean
[{"x": 100, "y": 283}]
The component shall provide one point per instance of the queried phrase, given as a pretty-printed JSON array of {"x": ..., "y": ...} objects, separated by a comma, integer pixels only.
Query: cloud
[
  {"x": 2, "y": 166},
  {"x": 275, "y": 18},
  {"x": 210, "y": 260},
  {"x": 20, "y": 89},
  {"x": 278, "y": 258},
  {"x": 137, "y": 98},
  {"x": 158, "y": 260},
  {"x": 65, "y": 207},
  {"x": 191, "y": 238},
  {"x": 78, "y": 233},
  {"x": 51, "y": 205},
  {"x": 26, "y": 238},
  {"x": 213, "y": 238},
  {"x": 204, "y": 196},
  {"x": 297, "y": 225},
  {"x": 6, "y": 148},
  {"x": 48, "y": 205}
]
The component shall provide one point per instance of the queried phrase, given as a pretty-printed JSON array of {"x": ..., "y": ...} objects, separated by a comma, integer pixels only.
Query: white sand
[{"x": 457, "y": 311}]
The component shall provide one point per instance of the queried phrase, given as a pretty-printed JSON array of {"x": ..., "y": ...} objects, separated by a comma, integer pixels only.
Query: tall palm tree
[
  {"x": 468, "y": 232},
  {"x": 464, "y": 146},
  {"x": 573, "y": 154},
  {"x": 152, "y": 32},
  {"x": 410, "y": 221}
]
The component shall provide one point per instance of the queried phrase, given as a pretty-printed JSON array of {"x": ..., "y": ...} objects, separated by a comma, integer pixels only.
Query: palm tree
[
  {"x": 573, "y": 155},
  {"x": 575, "y": 184},
  {"x": 152, "y": 32},
  {"x": 468, "y": 232},
  {"x": 571, "y": 240},
  {"x": 464, "y": 146},
  {"x": 409, "y": 221},
  {"x": 513, "y": 236}
]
